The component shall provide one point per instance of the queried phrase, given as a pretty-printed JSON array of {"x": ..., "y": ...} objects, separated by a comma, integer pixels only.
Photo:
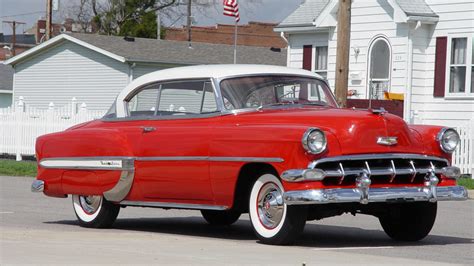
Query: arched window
[{"x": 380, "y": 59}]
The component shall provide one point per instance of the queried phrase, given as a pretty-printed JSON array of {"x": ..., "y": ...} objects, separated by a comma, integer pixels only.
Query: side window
[
  {"x": 189, "y": 97},
  {"x": 144, "y": 102},
  {"x": 316, "y": 92}
]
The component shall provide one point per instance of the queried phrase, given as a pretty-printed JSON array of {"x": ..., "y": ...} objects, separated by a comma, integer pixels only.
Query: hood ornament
[{"x": 387, "y": 141}]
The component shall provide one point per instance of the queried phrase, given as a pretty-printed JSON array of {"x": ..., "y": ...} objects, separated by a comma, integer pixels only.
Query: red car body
[{"x": 202, "y": 162}]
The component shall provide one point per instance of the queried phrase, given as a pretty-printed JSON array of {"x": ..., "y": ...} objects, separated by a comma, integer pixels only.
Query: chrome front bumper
[
  {"x": 406, "y": 194},
  {"x": 37, "y": 186}
]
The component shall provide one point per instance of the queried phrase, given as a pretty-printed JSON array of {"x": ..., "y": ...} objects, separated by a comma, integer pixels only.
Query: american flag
[{"x": 231, "y": 9}]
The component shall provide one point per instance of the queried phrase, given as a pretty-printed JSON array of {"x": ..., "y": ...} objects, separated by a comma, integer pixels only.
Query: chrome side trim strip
[
  {"x": 124, "y": 185},
  {"x": 173, "y": 205},
  {"x": 360, "y": 157},
  {"x": 86, "y": 163},
  {"x": 405, "y": 194},
  {"x": 247, "y": 159},
  {"x": 173, "y": 158},
  {"x": 117, "y": 163}
]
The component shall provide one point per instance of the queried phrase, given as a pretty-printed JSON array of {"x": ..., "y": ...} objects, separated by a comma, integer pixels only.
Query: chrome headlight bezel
[
  {"x": 305, "y": 141},
  {"x": 442, "y": 134}
]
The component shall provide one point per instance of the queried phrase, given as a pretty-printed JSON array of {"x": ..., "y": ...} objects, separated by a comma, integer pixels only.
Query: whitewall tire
[
  {"x": 273, "y": 221},
  {"x": 94, "y": 211}
]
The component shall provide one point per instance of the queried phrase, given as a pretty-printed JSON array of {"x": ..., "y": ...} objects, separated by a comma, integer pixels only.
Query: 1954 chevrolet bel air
[{"x": 267, "y": 140}]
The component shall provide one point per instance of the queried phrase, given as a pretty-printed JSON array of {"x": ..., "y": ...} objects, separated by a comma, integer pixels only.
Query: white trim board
[{"x": 37, "y": 49}]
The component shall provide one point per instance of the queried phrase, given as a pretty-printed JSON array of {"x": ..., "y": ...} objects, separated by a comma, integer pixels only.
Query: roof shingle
[
  {"x": 305, "y": 14},
  {"x": 177, "y": 52}
]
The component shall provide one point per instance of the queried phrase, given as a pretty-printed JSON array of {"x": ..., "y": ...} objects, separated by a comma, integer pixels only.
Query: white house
[
  {"x": 94, "y": 68},
  {"x": 421, "y": 48}
]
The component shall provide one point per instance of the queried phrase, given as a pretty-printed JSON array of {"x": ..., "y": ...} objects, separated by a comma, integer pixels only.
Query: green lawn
[
  {"x": 14, "y": 168},
  {"x": 466, "y": 181}
]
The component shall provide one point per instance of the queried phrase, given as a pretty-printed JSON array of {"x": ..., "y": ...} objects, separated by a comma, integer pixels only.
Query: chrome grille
[{"x": 381, "y": 168}]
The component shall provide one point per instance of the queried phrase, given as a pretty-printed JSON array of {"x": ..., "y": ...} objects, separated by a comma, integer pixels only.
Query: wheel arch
[{"x": 247, "y": 175}]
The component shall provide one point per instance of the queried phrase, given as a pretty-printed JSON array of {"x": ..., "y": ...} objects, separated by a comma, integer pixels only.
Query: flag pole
[{"x": 235, "y": 43}]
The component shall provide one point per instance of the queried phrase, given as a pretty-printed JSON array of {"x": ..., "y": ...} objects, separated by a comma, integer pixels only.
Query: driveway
[{"x": 39, "y": 229}]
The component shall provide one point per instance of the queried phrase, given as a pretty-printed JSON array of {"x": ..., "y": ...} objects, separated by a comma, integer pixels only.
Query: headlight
[
  {"x": 448, "y": 139},
  {"x": 314, "y": 141}
]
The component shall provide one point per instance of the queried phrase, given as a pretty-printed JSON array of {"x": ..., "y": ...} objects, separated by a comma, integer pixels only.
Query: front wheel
[
  {"x": 94, "y": 211},
  {"x": 274, "y": 222},
  {"x": 409, "y": 221}
]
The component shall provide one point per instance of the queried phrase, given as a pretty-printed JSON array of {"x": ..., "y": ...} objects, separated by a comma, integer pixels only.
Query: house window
[
  {"x": 460, "y": 67},
  {"x": 321, "y": 61}
]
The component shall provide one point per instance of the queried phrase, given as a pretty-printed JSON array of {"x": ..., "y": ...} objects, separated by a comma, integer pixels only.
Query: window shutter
[
  {"x": 307, "y": 56},
  {"x": 440, "y": 66}
]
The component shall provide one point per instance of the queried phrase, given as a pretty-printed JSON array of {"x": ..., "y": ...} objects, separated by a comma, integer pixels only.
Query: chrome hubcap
[
  {"x": 270, "y": 205},
  {"x": 90, "y": 204}
]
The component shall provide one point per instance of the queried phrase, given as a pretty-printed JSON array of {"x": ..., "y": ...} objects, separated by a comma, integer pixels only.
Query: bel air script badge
[{"x": 387, "y": 141}]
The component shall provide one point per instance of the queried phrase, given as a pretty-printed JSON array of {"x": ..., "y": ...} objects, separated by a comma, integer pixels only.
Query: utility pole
[
  {"x": 13, "y": 24},
  {"x": 189, "y": 23},
  {"x": 343, "y": 48},
  {"x": 49, "y": 15}
]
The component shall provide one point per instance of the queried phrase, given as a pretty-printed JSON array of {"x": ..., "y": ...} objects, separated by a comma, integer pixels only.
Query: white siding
[
  {"x": 455, "y": 16},
  {"x": 296, "y": 43},
  {"x": 369, "y": 19},
  {"x": 66, "y": 71},
  {"x": 141, "y": 69}
]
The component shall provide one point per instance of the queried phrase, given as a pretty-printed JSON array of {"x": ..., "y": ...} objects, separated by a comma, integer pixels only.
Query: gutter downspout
[
  {"x": 282, "y": 35},
  {"x": 408, "y": 115},
  {"x": 130, "y": 71}
]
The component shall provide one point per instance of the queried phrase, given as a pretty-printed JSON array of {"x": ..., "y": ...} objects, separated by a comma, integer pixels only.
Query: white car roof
[{"x": 207, "y": 71}]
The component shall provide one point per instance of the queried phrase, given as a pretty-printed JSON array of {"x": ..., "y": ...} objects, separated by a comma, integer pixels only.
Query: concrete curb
[{"x": 470, "y": 193}]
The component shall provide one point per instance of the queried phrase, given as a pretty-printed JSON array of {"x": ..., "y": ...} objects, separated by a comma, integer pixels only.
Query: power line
[{"x": 24, "y": 14}]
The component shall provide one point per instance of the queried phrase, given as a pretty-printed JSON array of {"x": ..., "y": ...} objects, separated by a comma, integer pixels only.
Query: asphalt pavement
[{"x": 42, "y": 230}]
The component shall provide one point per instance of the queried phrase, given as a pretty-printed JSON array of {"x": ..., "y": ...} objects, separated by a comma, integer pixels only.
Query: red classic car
[{"x": 267, "y": 140}]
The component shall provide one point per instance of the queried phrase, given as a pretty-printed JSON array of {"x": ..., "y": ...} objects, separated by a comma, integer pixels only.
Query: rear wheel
[
  {"x": 220, "y": 217},
  {"x": 94, "y": 211},
  {"x": 409, "y": 221},
  {"x": 273, "y": 221}
]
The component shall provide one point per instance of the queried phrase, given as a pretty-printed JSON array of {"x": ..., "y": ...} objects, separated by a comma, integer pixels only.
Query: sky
[{"x": 250, "y": 10}]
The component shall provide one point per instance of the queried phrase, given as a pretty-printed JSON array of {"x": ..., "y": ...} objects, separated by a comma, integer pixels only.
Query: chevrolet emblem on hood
[{"x": 387, "y": 141}]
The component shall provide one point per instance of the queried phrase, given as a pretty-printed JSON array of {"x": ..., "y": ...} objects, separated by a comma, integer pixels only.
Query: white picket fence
[
  {"x": 21, "y": 125},
  {"x": 463, "y": 157}
]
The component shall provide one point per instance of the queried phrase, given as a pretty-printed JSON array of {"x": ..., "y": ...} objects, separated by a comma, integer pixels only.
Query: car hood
[{"x": 357, "y": 131}]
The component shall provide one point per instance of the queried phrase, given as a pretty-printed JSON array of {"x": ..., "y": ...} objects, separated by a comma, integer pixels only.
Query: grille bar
[{"x": 376, "y": 165}]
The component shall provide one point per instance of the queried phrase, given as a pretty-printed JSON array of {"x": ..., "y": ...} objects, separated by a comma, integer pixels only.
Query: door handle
[{"x": 148, "y": 129}]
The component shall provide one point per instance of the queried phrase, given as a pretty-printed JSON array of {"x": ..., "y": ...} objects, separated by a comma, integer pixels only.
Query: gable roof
[
  {"x": 305, "y": 14},
  {"x": 162, "y": 51},
  {"x": 416, "y": 8},
  {"x": 311, "y": 11},
  {"x": 6, "y": 78}
]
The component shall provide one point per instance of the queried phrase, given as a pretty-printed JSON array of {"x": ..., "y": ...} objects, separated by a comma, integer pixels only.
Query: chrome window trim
[
  {"x": 313, "y": 164},
  {"x": 241, "y": 110}
]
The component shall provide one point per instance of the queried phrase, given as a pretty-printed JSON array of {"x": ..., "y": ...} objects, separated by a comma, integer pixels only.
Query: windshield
[{"x": 264, "y": 91}]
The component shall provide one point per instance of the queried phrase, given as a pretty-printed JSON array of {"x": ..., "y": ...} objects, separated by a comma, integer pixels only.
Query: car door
[{"x": 172, "y": 163}]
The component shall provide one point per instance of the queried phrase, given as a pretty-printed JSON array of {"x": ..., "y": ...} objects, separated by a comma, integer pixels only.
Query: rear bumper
[
  {"x": 406, "y": 194},
  {"x": 37, "y": 186}
]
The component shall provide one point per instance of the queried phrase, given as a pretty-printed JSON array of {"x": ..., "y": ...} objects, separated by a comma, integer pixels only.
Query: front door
[
  {"x": 379, "y": 68},
  {"x": 172, "y": 161}
]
